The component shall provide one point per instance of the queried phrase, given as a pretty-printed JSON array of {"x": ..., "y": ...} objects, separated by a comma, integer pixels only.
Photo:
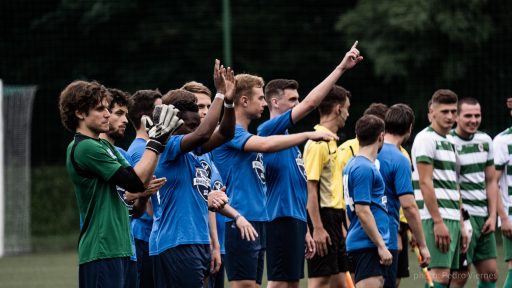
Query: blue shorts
[
  {"x": 366, "y": 263},
  {"x": 391, "y": 271},
  {"x": 144, "y": 264},
  {"x": 285, "y": 249},
  {"x": 132, "y": 278},
  {"x": 245, "y": 259},
  {"x": 182, "y": 266},
  {"x": 109, "y": 272},
  {"x": 216, "y": 280}
]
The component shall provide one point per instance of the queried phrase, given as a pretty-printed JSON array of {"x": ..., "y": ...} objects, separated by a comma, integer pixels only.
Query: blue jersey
[
  {"x": 363, "y": 184},
  {"x": 183, "y": 214},
  {"x": 121, "y": 193},
  {"x": 287, "y": 192},
  {"x": 244, "y": 176},
  {"x": 216, "y": 184},
  {"x": 141, "y": 226},
  {"x": 396, "y": 171}
]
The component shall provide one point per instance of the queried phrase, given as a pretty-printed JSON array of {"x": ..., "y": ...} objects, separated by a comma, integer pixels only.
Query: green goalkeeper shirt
[{"x": 105, "y": 232}]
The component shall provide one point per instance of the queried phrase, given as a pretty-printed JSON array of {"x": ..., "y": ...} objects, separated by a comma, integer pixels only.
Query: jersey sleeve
[
  {"x": 361, "y": 180},
  {"x": 490, "y": 154},
  {"x": 239, "y": 139},
  {"x": 345, "y": 154},
  {"x": 216, "y": 181},
  {"x": 315, "y": 155},
  {"x": 425, "y": 149},
  {"x": 403, "y": 177},
  {"x": 125, "y": 155},
  {"x": 277, "y": 125},
  {"x": 101, "y": 160},
  {"x": 172, "y": 148},
  {"x": 500, "y": 153}
]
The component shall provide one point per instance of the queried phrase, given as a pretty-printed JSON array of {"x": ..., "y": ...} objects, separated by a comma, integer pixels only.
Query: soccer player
[
  {"x": 95, "y": 168},
  {"x": 395, "y": 169},
  {"x": 240, "y": 163},
  {"x": 503, "y": 161},
  {"x": 363, "y": 186},
  {"x": 286, "y": 179},
  {"x": 179, "y": 238},
  {"x": 478, "y": 188},
  {"x": 435, "y": 188},
  {"x": 144, "y": 102},
  {"x": 203, "y": 96},
  {"x": 325, "y": 195}
]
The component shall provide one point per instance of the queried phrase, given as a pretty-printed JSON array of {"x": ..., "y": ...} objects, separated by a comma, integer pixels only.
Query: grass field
[{"x": 60, "y": 269}]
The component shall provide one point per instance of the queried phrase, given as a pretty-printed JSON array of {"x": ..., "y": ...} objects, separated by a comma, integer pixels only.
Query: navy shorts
[
  {"x": 216, "y": 280},
  {"x": 245, "y": 259},
  {"x": 132, "y": 278},
  {"x": 366, "y": 263},
  {"x": 285, "y": 249},
  {"x": 182, "y": 266},
  {"x": 403, "y": 257},
  {"x": 109, "y": 272},
  {"x": 144, "y": 264},
  {"x": 336, "y": 260},
  {"x": 391, "y": 271}
]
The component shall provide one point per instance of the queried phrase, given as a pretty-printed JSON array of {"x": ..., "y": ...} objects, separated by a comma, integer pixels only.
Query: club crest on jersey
[
  {"x": 300, "y": 164},
  {"x": 202, "y": 179},
  {"x": 481, "y": 147},
  {"x": 258, "y": 167},
  {"x": 217, "y": 185}
]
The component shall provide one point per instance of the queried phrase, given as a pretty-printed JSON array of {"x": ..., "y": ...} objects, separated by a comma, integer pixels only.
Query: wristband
[
  {"x": 229, "y": 105},
  {"x": 155, "y": 146},
  {"x": 220, "y": 95}
]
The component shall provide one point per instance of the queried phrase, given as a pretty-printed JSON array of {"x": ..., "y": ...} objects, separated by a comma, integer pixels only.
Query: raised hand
[
  {"x": 352, "y": 57},
  {"x": 218, "y": 79},
  {"x": 164, "y": 122},
  {"x": 230, "y": 81}
]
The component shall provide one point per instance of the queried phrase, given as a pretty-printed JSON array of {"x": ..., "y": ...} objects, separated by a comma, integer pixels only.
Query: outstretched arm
[
  {"x": 279, "y": 142},
  {"x": 315, "y": 97}
]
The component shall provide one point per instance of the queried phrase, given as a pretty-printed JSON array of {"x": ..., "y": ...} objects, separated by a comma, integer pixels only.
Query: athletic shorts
[
  {"x": 109, "y": 272},
  {"x": 450, "y": 259},
  {"x": 482, "y": 246},
  {"x": 132, "y": 278},
  {"x": 144, "y": 264},
  {"x": 366, "y": 263},
  {"x": 403, "y": 257},
  {"x": 216, "y": 280},
  {"x": 245, "y": 259},
  {"x": 285, "y": 249},
  {"x": 391, "y": 271},
  {"x": 182, "y": 266},
  {"x": 336, "y": 260},
  {"x": 507, "y": 247}
]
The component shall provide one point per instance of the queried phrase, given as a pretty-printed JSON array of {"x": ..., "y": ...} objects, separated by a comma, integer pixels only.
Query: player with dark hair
[
  {"x": 96, "y": 168},
  {"x": 368, "y": 234},
  {"x": 325, "y": 196},
  {"x": 395, "y": 169},
  {"x": 286, "y": 179},
  {"x": 203, "y": 96}
]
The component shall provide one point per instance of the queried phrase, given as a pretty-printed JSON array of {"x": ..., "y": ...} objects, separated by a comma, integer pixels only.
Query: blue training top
[
  {"x": 287, "y": 192},
  {"x": 363, "y": 184},
  {"x": 244, "y": 176}
]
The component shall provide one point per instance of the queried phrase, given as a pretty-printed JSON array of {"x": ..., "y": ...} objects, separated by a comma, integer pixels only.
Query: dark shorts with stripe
[
  {"x": 285, "y": 249},
  {"x": 245, "y": 259},
  {"x": 182, "y": 266},
  {"x": 336, "y": 260},
  {"x": 109, "y": 272}
]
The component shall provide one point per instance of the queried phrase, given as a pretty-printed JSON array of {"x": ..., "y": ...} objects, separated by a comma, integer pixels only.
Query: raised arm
[
  {"x": 279, "y": 142},
  {"x": 313, "y": 99},
  {"x": 226, "y": 129}
]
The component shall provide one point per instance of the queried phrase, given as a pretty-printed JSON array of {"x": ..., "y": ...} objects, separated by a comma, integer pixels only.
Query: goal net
[{"x": 15, "y": 129}]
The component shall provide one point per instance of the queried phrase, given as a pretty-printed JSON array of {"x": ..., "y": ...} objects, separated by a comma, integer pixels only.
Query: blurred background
[{"x": 411, "y": 48}]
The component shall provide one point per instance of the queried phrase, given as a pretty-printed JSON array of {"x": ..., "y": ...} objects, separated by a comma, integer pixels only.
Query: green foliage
[
  {"x": 53, "y": 203},
  {"x": 405, "y": 37}
]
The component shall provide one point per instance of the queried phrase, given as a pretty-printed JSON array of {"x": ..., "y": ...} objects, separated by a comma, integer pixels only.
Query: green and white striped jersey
[
  {"x": 473, "y": 157},
  {"x": 503, "y": 161},
  {"x": 437, "y": 150}
]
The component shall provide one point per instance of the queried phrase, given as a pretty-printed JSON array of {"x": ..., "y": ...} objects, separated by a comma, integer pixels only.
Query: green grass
[{"x": 60, "y": 269}]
